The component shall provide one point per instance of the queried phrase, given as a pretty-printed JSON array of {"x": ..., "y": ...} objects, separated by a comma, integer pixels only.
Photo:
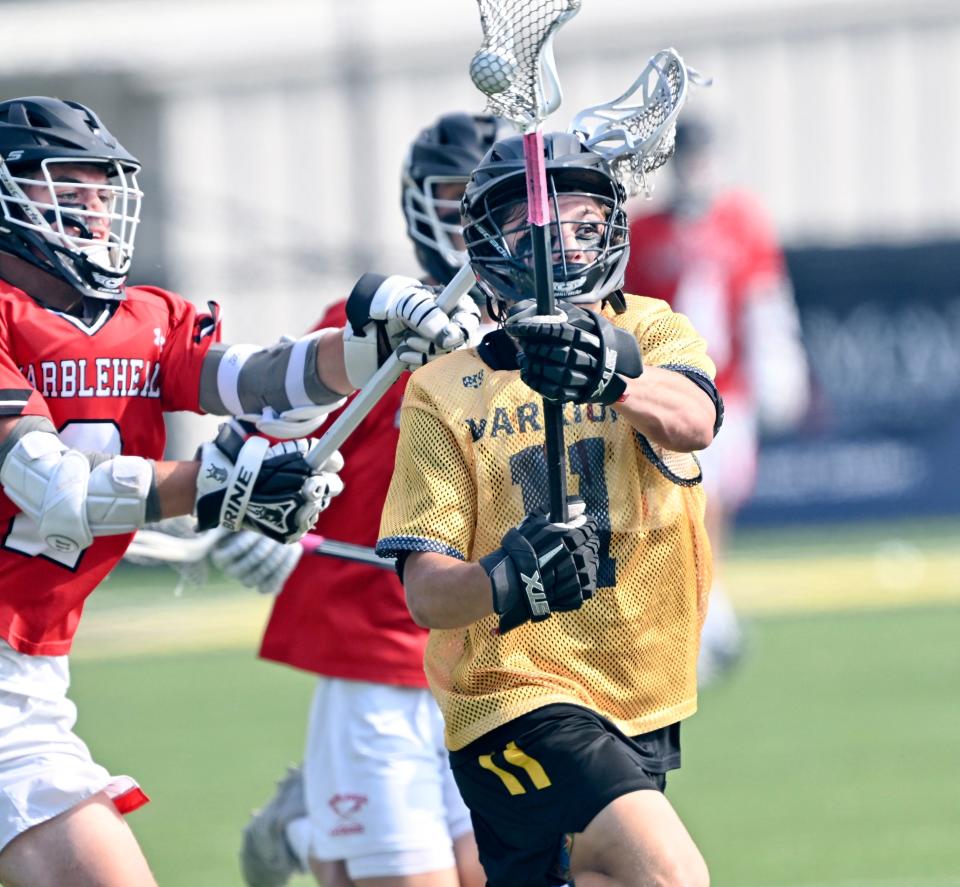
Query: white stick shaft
[
  {"x": 356, "y": 411},
  {"x": 155, "y": 545},
  {"x": 169, "y": 549}
]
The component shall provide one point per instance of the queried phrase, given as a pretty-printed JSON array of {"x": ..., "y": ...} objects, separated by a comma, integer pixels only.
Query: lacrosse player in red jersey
[
  {"x": 713, "y": 255},
  {"x": 88, "y": 366},
  {"x": 562, "y": 654},
  {"x": 375, "y": 798}
]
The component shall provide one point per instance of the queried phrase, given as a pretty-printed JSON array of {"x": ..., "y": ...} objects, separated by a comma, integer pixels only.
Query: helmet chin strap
[
  {"x": 68, "y": 222},
  {"x": 95, "y": 251},
  {"x": 98, "y": 253}
]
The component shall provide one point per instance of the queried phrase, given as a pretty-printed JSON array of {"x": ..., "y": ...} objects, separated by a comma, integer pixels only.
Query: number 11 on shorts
[{"x": 518, "y": 758}]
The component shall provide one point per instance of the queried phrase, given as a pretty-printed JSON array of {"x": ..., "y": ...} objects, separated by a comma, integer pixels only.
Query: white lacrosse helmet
[{"x": 68, "y": 194}]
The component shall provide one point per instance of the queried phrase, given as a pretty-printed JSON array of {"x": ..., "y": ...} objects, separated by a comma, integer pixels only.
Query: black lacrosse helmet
[
  {"x": 693, "y": 136},
  {"x": 38, "y": 136},
  {"x": 444, "y": 153},
  {"x": 494, "y": 204}
]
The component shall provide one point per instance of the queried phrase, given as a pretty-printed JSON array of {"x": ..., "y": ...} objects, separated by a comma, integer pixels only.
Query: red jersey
[
  {"x": 105, "y": 385},
  {"x": 345, "y": 619},
  {"x": 708, "y": 268}
]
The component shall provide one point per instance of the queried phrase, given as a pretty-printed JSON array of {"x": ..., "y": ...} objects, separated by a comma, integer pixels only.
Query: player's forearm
[
  {"x": 176, "y": 487},
  {"x": 331, "y": 368},
  {"x": 443, "y": 592},
  {"x": 669, "y": 409}
]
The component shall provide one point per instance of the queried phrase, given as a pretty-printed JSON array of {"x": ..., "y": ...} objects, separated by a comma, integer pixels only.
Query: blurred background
[{"x": 272, "y": 136}]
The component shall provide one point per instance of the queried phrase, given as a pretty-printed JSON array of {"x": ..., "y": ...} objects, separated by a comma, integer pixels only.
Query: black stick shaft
[
  {"x": 538, "y": 217},
  {"x": 552, "y": 411},
  {"x": 347, "y": 551}
]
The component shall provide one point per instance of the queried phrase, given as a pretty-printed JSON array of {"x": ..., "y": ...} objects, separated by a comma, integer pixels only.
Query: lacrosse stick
[
  {"x": 516, "y": 70},
  {"x": 159, "y": 547},
  {"x": 346, "y": 551},
  {"x": 636, "y": 131},
  {"x": 366, "y": 398}
]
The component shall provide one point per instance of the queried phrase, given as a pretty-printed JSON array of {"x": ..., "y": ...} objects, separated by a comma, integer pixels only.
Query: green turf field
[{"x": 830, "y": 759}]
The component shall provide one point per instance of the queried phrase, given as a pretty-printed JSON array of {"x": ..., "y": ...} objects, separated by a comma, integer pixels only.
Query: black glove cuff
[
  {"x": 614, "y": 390},
  {"x": 208, "y": 511},
  {"x": 360, "y": 299},
  {"x": 629, "y": 362},
  {"x": 518, "y": 592},
  {"x": 228, "y": 440},
  {"x": 622, "y": 353}
]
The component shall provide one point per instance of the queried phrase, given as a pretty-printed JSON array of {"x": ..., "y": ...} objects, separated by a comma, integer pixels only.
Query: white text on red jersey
[{"x": 99, "y": 377}]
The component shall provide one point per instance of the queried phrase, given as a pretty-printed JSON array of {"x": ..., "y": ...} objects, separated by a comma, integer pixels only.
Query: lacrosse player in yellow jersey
[{"x": 563, "y": 656}]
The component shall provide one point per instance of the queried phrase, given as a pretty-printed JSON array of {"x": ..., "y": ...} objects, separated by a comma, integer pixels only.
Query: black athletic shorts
[{"x": 531, "y": 783}]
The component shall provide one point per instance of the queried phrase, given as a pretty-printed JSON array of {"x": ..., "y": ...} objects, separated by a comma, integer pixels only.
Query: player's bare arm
[
  {"x": 444, "y": 592},
  {"x": 176, "y": 487},
  {"x": 669, "y": 409}
]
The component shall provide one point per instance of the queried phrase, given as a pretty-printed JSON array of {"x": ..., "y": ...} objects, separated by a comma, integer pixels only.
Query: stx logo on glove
[
  {"x": 543, "y": 567},
  {"x": 539, "y": 606}
]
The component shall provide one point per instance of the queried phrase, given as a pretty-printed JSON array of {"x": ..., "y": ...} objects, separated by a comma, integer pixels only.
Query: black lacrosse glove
[
  {"x": 542, "y": 567},
  {"x": 583, "y": 358},
  {"x": 244, "y": 483}
]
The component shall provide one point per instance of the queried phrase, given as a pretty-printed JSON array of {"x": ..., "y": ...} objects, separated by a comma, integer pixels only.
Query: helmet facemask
[
  {"x": 433, "y": 222},
  {"x": 589, "y": 250},
  {"x": 81, "y": 230}
]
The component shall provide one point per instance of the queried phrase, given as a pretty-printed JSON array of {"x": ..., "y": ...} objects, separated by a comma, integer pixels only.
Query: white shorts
[
  {"x": 45, "y": 769},
  {"x": 379, "y": 788}
]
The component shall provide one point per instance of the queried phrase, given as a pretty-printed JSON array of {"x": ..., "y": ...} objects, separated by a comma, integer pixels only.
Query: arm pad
[
  {"x": 70, "y": 502},
  {"x": 277, "y": 388}
]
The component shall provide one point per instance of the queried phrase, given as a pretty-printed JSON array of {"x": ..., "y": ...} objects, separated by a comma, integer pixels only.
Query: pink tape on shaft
[
  {"x": 537, "y": 210},
  {"x": 311, "y": 542}
]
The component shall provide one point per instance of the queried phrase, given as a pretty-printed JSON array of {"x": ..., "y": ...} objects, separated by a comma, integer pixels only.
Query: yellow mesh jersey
[{"x": 470, "y": 464}]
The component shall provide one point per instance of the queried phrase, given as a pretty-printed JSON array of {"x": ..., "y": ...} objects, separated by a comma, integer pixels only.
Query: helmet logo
[
  {"x": 493, "y": 241},
  {"x": 15, "y": 155},
  {"x": 568, "y": 286},
  {"x": 109, "y": 283}
]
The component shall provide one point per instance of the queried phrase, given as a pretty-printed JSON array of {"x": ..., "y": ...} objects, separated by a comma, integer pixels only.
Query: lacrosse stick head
[
  {"x": 636, "y": 131},
  {"x": 514, "y": 67},
  {"x": 589, "y": 228}
]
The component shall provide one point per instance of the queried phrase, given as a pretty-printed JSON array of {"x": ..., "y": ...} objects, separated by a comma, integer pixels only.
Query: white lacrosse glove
[
  {"x": 387, "y": 313},
  {"x": 414, "y": 350},
  {"x": 256, "y": 561},
  {"x": 246, "y": 483}
]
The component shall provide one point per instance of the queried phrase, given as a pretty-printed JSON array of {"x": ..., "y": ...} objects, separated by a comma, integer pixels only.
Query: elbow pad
[
  {"x": 276, "y": 388},
  {"x": 72, "y": 503}
]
